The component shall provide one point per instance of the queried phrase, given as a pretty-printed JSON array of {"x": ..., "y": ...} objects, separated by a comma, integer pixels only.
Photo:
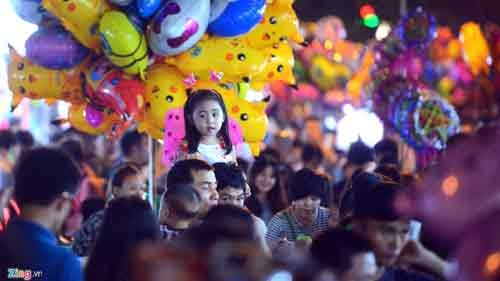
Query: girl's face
[
  {"x": 208, "y": 118},
  {"x": 265, "y": 180}
]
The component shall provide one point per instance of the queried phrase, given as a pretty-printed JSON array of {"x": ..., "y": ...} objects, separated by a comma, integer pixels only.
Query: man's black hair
[
  {"x": 229, "y": 175},
  {"x": 182, "y": 171},
  {"x": 130, "y": 140},
  {"x": 183, "y": 199},
  {"x": 335, "y": 248},
  {"x": 43, "y": 174},
  {"x": 307, "y": 183}
]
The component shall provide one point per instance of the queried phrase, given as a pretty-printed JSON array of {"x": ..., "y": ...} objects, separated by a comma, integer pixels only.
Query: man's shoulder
[{"x": 397, "y": 274}]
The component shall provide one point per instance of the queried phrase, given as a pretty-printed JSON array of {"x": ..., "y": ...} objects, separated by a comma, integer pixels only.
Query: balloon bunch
[
  {"x": 124, "y": 61},
  {"x": 401, "y": 96}
]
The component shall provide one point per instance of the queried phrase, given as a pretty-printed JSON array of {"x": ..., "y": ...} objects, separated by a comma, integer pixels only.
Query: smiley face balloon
[
  {"x": 123, "y": 44},
  {"x": 178, "y": 25},
  {"x": 279, "y": 23},
  {"x": 78, "y": 120},
  {"x": 165, "y": 90},
  {"x": 230, "y": 59},
  {"x": 81, "y": 17},
  {"x": 32, "y": 81}
]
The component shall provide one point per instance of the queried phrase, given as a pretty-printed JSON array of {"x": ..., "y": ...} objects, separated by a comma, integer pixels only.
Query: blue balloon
[
  {"x": 135, "y": 17},
  {"x": 147, "y": 8},
  {"x": 231, "y": 18},
  {"x": 30, "y": 10}
]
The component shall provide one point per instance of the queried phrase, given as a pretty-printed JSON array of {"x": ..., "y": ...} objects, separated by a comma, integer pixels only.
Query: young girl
[{"x": 207, "y": 133}]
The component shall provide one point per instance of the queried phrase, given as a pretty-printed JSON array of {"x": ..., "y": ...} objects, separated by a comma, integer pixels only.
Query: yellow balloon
[
  {"x": 81, "y": 17},
  {"x": 76, "y": 117},
  {"x": 279, "y": 23},
  {"x": 150, "y": 129},
  {"x": 32, "y": 81},
  {"x": 228, "y": 59},
  {"x": 123, "y": 44},
  {"x": 327, "y": 75},
  {"x": 251, "y": 117},
  {"x": 279, "y": 66},
  {"x": 165, "y": 90},
  {"x": 475, "y": 48}
]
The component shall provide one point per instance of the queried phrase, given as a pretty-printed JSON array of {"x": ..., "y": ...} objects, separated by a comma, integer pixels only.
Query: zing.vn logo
[{"x": 15, "y": 273}]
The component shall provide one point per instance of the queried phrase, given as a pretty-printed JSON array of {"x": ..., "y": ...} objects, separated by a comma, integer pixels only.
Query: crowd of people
[{"x": 77, "y": 210}]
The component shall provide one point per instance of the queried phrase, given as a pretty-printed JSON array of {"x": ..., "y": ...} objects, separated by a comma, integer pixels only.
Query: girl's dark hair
[
  {"x": 277, "y": 195},
  {"x": 119, "y": 175},
  {"x": 127, "y": 222},
  {"x": 192, "y": 134}
]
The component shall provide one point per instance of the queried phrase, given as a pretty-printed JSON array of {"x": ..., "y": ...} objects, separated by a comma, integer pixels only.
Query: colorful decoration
[
  {"x": 417, "y": 28},
  {"x": 475, "y": 48}
]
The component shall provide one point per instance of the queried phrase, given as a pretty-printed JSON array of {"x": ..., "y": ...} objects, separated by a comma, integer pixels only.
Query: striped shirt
[{"x": 284, "y": 224}]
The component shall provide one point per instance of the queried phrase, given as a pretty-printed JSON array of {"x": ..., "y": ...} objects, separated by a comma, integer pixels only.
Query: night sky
[{"x": 447, "y": 12}]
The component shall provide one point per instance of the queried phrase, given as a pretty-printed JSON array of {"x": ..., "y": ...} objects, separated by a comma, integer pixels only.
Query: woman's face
[
  {"x": 133, "y": 185},
  {"x": 208, "y": 118},
  {"x": 265, "y": 180}
]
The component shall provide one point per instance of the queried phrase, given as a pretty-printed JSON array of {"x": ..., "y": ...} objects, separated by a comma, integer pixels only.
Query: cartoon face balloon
[
  {"x": 32, "y": 81},
  {"x": 231, "y": 60},
  {"x": 178, "y": 25},
  {"x": 165, "y": 90},
  {"x": 251, "y": 117},
  {"x": 279, "y": 23},
  {"x": 123, "y": 44},
  {"x": 81, "y": 17},
  {"x": 278, "y": 68}
]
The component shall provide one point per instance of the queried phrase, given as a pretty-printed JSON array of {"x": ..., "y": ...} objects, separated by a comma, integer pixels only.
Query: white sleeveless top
[{"x": 214, "y": 153}]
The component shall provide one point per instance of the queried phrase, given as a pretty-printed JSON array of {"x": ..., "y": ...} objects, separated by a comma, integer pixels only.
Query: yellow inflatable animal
[
  {"x": 475, "y": 48},
  {"x": 165, "y": 90},
  {"x": 81, "y": 17},
  {"x": 278, "y": 68},
  {"x": 279, "y": 23},
  {"x": 29, "y": 80},
  {"x": 224, "y": 59}
]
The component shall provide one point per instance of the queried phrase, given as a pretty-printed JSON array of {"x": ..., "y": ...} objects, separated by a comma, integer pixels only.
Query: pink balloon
[
  {"x": 174, "y": 134},
  {"x": 93, "y": 116}
]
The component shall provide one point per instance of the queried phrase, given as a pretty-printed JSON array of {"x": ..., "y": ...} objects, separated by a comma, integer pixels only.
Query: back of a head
[
  {"x": 128, "y": 221},
  {"x": 335, "y": 248},
  {"x": 359, "y": 154},
  {"x": 386, "y": 151},
  {"x": 307, "y": 183},
  {"x": 43, "y": 174},
  {"x": 183, "y": 200},
  {"x": 73, "y": 148},
  {"x": 378, "y": 202},
  {"x": 130, "y": 140},
  {"x": 229, "y": 175},
  {"x": 7, "y": 139},
  {"x": 91, "y": 206},
  {"x": 181, "y": 172},
  {"x": 312, "y": 153},
  {"x": 231, "y": 222},
  {"x": 25, "y": 139},
  {"x": 359, "y": 181}
]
